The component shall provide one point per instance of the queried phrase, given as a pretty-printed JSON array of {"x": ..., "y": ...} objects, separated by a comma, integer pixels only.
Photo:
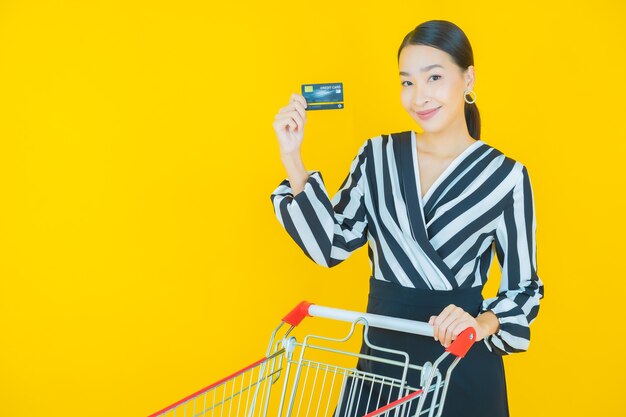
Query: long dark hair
[{"x": 448, "y": 37}]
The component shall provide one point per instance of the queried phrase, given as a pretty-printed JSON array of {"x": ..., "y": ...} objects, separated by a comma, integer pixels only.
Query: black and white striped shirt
[{"x": 480, "y": 205}]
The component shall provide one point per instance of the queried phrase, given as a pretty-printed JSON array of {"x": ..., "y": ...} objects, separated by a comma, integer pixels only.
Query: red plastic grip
[
  {"x": 298, "y": 314},
  {"x": 462, "y": 343}
]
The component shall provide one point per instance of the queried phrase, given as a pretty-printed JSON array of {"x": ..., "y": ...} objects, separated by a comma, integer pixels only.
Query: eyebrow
[{"x": 423, "y": 69}]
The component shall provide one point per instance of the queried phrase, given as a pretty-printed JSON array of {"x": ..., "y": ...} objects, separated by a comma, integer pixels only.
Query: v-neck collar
[
  {"x": 409, "y": 182},
  {"x": 455, "y": 162}
]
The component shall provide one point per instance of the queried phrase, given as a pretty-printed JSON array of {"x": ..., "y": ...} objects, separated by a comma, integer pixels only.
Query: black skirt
[{"x": 477, "y": 385}]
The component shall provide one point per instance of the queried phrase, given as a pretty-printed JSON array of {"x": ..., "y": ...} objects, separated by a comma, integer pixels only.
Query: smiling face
[{"x": 430, "y": 79}]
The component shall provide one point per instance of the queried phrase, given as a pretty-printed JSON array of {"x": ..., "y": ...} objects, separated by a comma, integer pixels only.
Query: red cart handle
[
  {"x": 462, "y": 343},
  {"x": 459, "y": 347},
  {"x": 298, "y": 314}
]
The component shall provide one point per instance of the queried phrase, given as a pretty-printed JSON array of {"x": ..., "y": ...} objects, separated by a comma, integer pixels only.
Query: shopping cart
[{"x": 315, "y": 377}]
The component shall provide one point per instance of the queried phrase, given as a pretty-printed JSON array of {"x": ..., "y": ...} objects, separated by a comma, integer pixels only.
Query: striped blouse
[{"x": 480, "y": 205}]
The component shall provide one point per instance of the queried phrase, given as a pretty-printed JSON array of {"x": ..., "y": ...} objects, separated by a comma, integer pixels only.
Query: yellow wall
[{"x": 139, "y": 255}]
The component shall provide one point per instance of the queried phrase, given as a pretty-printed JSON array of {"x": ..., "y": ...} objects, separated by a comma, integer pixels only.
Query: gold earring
[{"x": 469, "y": 92}]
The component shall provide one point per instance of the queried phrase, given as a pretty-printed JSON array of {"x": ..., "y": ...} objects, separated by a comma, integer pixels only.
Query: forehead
[{"x": 415, "y": 57}]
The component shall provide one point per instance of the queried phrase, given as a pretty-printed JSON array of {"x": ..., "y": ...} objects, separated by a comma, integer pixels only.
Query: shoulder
[
  {"x": 386, "y": 137},
  {"x": 377, "y": 143},
  {"x": 516, "y": 168},
  {"x": 374, "y": 148}
]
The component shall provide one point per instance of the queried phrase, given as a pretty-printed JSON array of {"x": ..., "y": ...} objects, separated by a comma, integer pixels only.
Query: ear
[{"x": 470, "y": 77}]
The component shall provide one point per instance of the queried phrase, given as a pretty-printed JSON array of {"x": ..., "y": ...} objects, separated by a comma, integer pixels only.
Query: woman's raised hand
[{"x": 289, "y": 125}]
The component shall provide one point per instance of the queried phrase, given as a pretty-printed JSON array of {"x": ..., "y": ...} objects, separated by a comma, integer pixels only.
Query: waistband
[{"x": 466, "y": 298}]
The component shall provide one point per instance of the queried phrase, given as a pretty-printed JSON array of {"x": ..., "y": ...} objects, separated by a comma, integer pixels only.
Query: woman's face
[{"x": 429, "y": 80}]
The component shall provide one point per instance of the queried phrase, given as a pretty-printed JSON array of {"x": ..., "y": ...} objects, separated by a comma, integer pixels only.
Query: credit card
[{"x": 323, "y": 96}]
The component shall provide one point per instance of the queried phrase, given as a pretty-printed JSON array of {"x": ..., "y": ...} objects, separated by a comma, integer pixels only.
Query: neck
[{"x": 446, "y": 143}]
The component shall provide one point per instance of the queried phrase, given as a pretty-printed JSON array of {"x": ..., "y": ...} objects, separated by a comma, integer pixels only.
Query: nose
[{"x": 419, "y": 97}]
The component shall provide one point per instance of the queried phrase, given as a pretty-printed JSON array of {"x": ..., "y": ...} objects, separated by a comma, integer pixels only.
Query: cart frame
[{"x": 310, "y": 385}]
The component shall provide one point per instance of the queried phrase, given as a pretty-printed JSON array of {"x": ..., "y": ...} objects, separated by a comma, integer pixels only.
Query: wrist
[
  {"x": 296, "y": 171},
  {"x": 292, "y": 157},
  {"x": 488, "y": 324}
]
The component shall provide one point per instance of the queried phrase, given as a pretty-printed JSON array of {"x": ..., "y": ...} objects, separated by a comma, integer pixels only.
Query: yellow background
[{"x": 140, "y": 258}]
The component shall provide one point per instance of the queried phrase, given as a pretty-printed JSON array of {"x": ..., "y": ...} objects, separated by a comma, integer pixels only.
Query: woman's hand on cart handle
[
  {"x": 289, "y": 127},
  {"x": 453, "y": 320}
]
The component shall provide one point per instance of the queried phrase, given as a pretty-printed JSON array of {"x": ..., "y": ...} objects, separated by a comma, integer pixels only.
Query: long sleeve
[
  {"x": 517, "y": 303},
  {"x": 327, "y": 231}
]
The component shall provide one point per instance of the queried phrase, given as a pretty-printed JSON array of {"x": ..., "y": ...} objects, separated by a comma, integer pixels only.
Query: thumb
[{"x": 431, "y": 321}]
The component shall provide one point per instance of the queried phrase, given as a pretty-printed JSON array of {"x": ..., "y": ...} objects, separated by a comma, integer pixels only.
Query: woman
[{"x": 434, "y": 208}]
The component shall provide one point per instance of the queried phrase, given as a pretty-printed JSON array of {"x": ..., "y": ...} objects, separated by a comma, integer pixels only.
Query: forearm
[
  {"x": 296, "y": 172},
  {"x": 488, "y": 324}
]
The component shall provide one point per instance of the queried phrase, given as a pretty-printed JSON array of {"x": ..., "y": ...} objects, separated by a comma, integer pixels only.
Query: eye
[
  {"x": 435, "y": 76},
  {"x": 406, "y": 83}
]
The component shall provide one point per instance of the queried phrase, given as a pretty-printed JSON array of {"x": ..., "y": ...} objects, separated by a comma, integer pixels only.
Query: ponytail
[{"x": 472, "y": 118}]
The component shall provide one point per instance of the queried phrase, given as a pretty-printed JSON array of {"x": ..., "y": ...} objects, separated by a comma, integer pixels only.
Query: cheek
[
  {"x": 405, "y": 98},
  {"x": 450, "y": 93},
  {"x": 442, "y": 94}
]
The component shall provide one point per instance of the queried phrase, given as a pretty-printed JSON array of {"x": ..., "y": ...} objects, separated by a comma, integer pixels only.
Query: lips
[{"x": 427, "y": 114}]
